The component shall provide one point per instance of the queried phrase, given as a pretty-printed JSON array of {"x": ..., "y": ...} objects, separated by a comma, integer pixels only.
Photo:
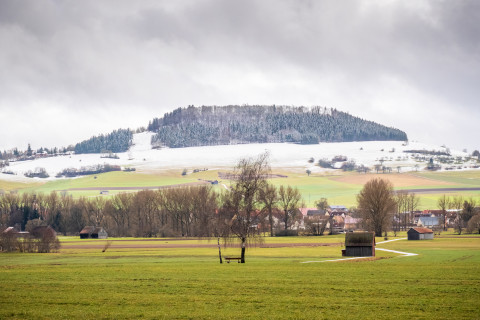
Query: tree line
[
  {"x": 382, "y": 209},
  {"x": 182, "y": 211},
  {"x": 212, "y": 125}
]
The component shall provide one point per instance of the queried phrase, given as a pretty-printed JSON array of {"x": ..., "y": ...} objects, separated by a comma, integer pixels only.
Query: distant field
[
  {"x": 11, "y": 186},
  {"x": 403, "y": 180},
  {"x": 116, "y": 179},
  {"x": 342, "y": 188},
  {"x": 185, "y": 282},
  {"x": 467, "y": 178},
  {"x": 338, "y": 187}
]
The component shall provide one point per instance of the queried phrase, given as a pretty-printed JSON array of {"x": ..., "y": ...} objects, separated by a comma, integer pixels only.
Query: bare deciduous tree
[
  {"x": 376, "y": 204},
  {"x": 457, "y": 204},
  {"x": 444, "y": 204},
  {"x": 268, "y": 196},
  {"x": 316, "y": 225},
  {"x": 474, "y": 224},
  {"x": 289, "y": 201},
  {"x": 240, "y": 202}
]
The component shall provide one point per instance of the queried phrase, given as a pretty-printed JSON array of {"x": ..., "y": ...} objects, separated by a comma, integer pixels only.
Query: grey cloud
[{"x": 157, "y": 55}]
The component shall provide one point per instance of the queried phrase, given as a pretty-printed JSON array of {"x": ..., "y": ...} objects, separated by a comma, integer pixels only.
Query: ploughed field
[{"x": 183, "y": 279}]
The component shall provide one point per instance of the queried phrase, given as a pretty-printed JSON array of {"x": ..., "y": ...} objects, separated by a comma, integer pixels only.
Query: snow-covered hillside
[{"x": 282, "y": 155}]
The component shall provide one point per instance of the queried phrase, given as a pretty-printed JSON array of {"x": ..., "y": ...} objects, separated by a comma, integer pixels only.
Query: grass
[
  {"x": 11, "y": 186},
  {"x": 463, "y": 178},
  {"x": 315, "y": 187},
  {"x": 441, "y": 283},
  {"x": 339, "y": 188},
  {"x": 113, "y": 179}
]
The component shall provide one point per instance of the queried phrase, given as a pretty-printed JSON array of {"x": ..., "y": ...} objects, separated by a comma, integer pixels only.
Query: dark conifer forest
[
  {"x": 212, "y": 125},
  {"x": 117, "y": 141}
]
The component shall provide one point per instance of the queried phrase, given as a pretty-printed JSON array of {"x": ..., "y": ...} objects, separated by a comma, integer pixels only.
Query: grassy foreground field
[{"x": 184, "y": 280}]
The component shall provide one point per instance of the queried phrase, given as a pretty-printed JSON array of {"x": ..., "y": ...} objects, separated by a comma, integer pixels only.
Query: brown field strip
[{"x": 398, "y": 180}]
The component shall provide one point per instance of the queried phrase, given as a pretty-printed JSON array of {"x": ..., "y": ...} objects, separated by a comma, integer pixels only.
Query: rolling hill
[{"x": 212, "y": 125}]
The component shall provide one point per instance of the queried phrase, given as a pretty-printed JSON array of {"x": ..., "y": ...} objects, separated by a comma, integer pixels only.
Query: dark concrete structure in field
[
  {"x": 91, "y": 232},
  {"x": 420, "y": 234},
  {"x": 359, "y": 244}
]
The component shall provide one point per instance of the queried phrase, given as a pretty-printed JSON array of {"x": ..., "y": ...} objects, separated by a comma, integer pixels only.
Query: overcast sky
[{"x": 73, "y": 69}]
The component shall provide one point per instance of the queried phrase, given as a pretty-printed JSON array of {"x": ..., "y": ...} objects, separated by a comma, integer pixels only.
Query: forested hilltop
[
  {"x": 212, "y": 125},
  {"x": 117, "y": 141}
]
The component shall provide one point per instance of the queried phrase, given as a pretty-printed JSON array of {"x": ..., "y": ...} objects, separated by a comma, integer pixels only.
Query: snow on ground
[{"x": 282, "y": 155}]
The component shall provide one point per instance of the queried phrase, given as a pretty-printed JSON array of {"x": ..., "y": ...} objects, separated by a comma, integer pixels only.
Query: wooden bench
[{"x": 228, "y": 259}]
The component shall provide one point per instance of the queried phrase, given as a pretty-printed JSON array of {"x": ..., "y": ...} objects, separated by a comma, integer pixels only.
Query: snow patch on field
[{"x": 282, "y": 155}]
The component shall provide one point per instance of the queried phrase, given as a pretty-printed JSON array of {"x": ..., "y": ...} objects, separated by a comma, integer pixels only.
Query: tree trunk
[
  {"x": 378, "y": 231},
  {"x": 270, "y": 217},
  {"x": 219, "y": 250},
  {"x": 242, "y": 260}
]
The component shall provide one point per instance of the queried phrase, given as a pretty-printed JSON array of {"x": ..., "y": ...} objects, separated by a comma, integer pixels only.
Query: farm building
[
  {"x": 359, "y": 244},
  {"x": 338, "y": 210},
  {"x": 420, "y": 234},
  {"x": 350, "y": 223},
  {"x": 311, "y": 213},
  {"x": 12, "y": 231},
  {"x": 428, "y": 222},
  {"x": 93, "y": 233}
]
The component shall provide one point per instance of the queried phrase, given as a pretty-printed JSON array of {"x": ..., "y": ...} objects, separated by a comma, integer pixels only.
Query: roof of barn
[
  {"x": 359, "y": 239},
  {"x": 87, "y": 229},
  {"x": 421, "y": 230}
]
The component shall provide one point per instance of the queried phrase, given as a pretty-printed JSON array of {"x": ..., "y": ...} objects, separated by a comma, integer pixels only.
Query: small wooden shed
[
  {"x": 93, "y": 233},
  {"x": 420, "y": 234},
  {"x": 99, "y": 233},
  {"x": 359, "y": 244},
  {"x": 86, "y": 232}
]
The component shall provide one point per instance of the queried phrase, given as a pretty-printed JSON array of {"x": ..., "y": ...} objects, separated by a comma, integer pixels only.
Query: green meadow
[
  {"x": 338, "y": 187},
  {"x": 188, "y": 282}
]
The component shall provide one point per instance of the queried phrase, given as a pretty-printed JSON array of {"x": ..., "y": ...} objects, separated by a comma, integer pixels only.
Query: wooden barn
[
  {"x": 91, "y": 232},
  {"x": 86, "y": 232},
  {"x": 359, "y": 244},
  {"x": 420, "y": 234}
]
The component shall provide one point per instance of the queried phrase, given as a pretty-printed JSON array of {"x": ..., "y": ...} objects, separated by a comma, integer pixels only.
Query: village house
[
  {"x": 428, "y": 222},
  {"x": 338, "y": 210},
  {"x": 351, "y": 224}
]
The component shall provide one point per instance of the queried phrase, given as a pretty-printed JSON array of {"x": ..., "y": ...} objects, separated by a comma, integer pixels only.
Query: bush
[
  {"x": 95, "y": 169},
  {"x": 324, "y": 163},
  {"x": 41, "y": 239},
  {"x": 8, "y": 241},
  {"x": 286, "y": 233},
  {"x": 38, "y": 173}
]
